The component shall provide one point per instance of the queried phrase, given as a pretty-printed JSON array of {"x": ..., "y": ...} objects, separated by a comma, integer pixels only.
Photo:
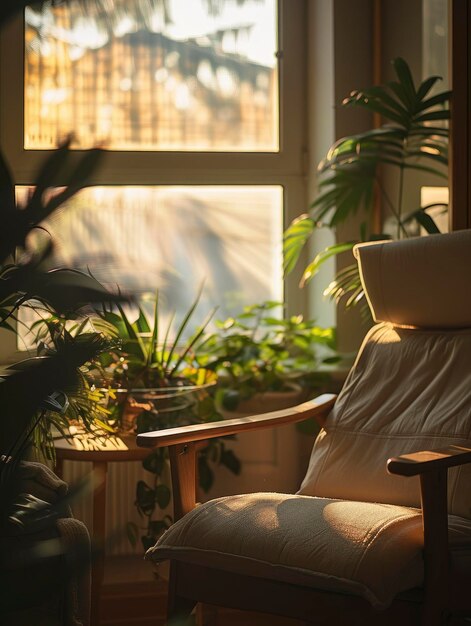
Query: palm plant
[{"x": 413, "y": 138}]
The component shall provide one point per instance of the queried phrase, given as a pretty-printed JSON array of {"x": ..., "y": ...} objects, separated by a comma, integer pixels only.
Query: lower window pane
[{"x": 174, "y": 239}]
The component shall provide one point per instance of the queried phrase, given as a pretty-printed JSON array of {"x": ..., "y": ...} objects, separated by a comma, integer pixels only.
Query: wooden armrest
[
  {"x": 317, "y": 408},
  {"x": 429, "y": 460},
  {"x": 183, "y": 443},
  {"x": 432, "y": 467}
]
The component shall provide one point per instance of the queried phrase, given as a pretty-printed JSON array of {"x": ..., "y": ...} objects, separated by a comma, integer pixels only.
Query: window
[
  {"x": 153, "y": 76},
  {"x": 435, "y": 63},
  {"x": 202, "y": 120}
]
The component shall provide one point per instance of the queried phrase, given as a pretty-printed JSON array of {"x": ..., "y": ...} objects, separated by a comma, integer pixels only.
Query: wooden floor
[{"x": 133, "y": 596}]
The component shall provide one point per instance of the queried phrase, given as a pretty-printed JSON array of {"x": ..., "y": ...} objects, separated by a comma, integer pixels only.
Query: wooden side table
[{"x": 99, "y": 451}]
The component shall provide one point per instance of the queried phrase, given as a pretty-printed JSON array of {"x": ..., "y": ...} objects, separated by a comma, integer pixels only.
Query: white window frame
[{"x": 286, "y": 167}]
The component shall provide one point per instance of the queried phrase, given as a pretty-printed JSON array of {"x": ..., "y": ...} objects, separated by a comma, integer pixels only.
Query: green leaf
[
  {"x": 229, "y": 460},
  {"x": 155, "y": 462},
  {"x": 432, "y": 116},
  {"x": 399, "y": 91},
  {"x": 294, "y": 239},
  {"x": 425, "y": 220},
  {"x": 323, "y": 256},
  {"x": 426, "y": 86},
  {"x": 157, "y": 527},
  {"x": 205, "y": 474},
  {"x": 77, "y": 177},
  {"x": 145, "y": 498},
  {"x": 141, "y": 324},
  {"x": 230, "y": 399},
  {"x": 148, "y": 542},
  {"x": 162, "y": 495},
  {"x": 331, "y": 360},
  {"x": 375, "y": 105},
  {"x": 192, "y": 342},
  {"x": 154, "y": 357},
  {"x": 406, "y": 81},
  {"x": 182, "y": 327},
  {"x": 440, "y": 99},
  {"x": 380, "y": 93}
]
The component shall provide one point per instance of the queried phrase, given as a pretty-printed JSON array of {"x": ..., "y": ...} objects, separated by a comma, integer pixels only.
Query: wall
[
  {"x": 341, "y": 49},
  {"x": 339, "y": 60}
]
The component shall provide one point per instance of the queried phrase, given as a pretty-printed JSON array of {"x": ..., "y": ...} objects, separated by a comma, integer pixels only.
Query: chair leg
[
  {"x": 179, "y": 612},
  {"x": 435, "y": 618},
  {"x": 179, "y": 608}
]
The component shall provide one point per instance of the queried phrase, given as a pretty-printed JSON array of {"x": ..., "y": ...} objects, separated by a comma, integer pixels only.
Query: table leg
[
  {"x": 99, "y": 530},
  {"x": 59, "y": 467}
]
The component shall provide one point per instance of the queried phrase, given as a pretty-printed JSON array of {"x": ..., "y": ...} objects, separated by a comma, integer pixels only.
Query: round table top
[{"x": 91, "y": 447}]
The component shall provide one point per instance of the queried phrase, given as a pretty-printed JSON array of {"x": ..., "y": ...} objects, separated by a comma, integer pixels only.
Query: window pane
[
  {"x": 174, "y": 239},
  {"x": 437, "y": 199},
  {"x": 154, "y": 75},
  {"x": 435, "y": 41}
]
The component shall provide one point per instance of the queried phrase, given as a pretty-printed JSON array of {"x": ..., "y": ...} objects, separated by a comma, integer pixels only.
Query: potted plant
[
  {"x": 155, "y": 383},
  {"x": 413, "y": 138},
  {"x": 264, "y": 361}
]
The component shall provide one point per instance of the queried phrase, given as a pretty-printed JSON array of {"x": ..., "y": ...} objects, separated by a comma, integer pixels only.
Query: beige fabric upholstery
[
  {"x": 371, "y": 550},
  {"x": 409, "y": 390},
  {"x": 420, "y": 282},
  {"x": 77, "y": 551},
  {"x": 41, "y": 481}
]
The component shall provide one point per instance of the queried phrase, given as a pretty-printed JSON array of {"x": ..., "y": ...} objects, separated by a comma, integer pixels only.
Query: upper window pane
[{"x": 157, "y": 75}]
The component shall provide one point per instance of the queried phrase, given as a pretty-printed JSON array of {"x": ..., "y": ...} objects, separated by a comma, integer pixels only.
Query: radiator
[
  {"x": 267, "y": 465},
  {"x": 120, "y": 495}
]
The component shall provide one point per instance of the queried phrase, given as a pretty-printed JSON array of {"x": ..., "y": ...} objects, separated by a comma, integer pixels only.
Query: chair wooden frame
[{"x": 446, "y": 587}]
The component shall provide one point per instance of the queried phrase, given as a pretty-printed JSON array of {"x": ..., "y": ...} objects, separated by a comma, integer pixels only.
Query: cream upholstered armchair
[{"x": 365, "y": 540}]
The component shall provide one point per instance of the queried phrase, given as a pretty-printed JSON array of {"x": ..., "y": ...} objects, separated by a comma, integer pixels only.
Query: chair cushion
[
  {"x": 420, "y": 282},
  {"x": 366, "y": 549},
  {"x": 409, "y": 390}
]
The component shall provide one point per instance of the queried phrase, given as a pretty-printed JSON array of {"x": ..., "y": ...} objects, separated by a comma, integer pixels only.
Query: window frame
[{"x": 286, "y": 167}]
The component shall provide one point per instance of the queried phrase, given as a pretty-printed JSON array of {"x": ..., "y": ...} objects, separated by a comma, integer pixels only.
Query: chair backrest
[{"x": 410, "y": 387}]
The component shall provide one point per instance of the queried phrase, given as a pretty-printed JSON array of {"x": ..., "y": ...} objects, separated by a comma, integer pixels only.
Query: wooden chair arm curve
[
  {"x": 317, "y": 408},
  {"x": 429, "y": 460},
  {"x": 432, "y": 468}
]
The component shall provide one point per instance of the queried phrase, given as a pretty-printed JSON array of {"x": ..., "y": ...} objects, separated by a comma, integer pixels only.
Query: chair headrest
[{"x": 423, "y": 282}]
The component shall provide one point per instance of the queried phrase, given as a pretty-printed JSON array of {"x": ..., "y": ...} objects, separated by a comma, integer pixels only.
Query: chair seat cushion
[{"x": 362, "y": 548}]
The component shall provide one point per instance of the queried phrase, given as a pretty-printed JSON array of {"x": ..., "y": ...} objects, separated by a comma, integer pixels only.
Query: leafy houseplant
[
  {"x": 259, "y": 352},
  {"x": 86, "y": 403},
  {"x": 162, "y": 385},
  {"x": 413, "y": 138},
  {"x": 33, "y": 392},
  {"x": 28, "y": 283}
]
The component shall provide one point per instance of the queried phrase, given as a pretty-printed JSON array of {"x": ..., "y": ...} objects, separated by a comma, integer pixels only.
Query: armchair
[
  {"x": 45, "y": 563},
  {"x": 365, "y": 540}
]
